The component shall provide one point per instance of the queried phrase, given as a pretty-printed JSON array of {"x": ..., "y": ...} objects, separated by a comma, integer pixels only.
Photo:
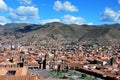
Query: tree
[{"x": 83, "y": 76}]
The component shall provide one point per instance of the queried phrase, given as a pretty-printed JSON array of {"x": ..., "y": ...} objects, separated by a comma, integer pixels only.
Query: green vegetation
[
  {"x": 88, "y": 78},
  {"x": 57, "y": 74},
  {"x": 60, "y": 75},
  {"x": 104, "y": 49},
  {"x": 75, "y": 73},
  {"x": 70, "y": 78},
  {"x": 83, "y": 76}
]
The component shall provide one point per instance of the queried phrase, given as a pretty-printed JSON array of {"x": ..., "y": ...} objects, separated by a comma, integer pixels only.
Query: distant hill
[
  {"x": 63, "y": 33},
  {"x": 13, "y": 26},
  {"x": 28, "y": 28}
]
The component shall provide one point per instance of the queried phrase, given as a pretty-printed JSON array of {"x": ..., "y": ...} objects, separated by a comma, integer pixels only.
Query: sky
[{"x": 91, "y": 12}]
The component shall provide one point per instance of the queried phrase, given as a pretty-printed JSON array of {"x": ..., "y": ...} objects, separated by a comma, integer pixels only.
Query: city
[{"x": 35, "y": 62}]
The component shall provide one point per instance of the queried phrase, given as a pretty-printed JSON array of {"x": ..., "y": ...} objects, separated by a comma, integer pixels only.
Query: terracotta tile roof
[
  {"x": 35, "y": 63},
  {"x": 108, "y": 67},
  {"x": 110, "y": 74},
  {"x": 19, "y": 71}
]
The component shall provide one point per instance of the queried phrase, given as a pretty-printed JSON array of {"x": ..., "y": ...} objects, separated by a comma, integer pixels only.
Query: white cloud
[
  {"x": 90, "y": 23},
  {"x": 3, "y": 6},
  {"x": 29, "y": 11},
  {"x": 67, "y": 19},
  {"x": 49, "y": 21},
  {"x": 3, "y": 20},
  {"x": 25, "y": 2},
  {"x": 12, "y": 15},
  {"x": 73, "y": 20},
  {"x": 23, "y": 13},
  {"x": 110, "y": 15},
  {"x": 66, "y": 6}
]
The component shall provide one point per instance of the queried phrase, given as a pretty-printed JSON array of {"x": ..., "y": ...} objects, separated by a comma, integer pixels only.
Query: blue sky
[{"x": 66, "y": 11}]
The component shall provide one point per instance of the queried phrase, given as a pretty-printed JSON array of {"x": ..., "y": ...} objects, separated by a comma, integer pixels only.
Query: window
[{"x": 10, "y": 73}]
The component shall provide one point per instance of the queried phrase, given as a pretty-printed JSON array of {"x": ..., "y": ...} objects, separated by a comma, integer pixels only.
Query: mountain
[
  {"x": 116, "y": 26},
  {"x": 13, "y": 26},
  {"x": 58, "y": 33},
  {"x": 28, "y": 28},
  {"x": 104, "y": 35}
]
